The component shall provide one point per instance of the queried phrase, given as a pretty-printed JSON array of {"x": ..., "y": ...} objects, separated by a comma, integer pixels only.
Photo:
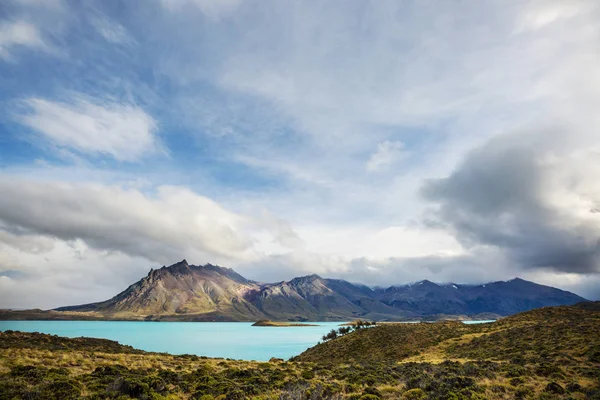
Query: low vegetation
[
  {"x": 359, "y": 323},
  {"x": 549, "y": 353},
  {"x": 347, "y": 328}
]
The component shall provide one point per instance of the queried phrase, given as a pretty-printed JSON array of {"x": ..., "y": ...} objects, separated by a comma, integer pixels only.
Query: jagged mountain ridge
[{"x": 189, "y": 292}]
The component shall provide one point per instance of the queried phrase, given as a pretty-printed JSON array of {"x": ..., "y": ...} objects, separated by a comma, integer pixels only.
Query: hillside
[
  {"x": 550, "y": 353},
  {"x": 184, "y": 292},
  {"x": 568, "y": 333}
]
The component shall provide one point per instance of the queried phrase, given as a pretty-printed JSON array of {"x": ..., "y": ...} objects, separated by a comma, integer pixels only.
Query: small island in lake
[{"x": 268, "y": 322}]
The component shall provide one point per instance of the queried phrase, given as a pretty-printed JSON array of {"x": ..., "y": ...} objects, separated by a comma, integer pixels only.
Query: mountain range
[{"x": 184, "y": 292}]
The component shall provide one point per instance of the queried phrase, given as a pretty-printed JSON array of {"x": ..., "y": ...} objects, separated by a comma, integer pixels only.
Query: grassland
[{"x": 551, "y": 353}]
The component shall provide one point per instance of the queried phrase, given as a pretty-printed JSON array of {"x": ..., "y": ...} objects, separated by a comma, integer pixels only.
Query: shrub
[
  {"x": 594, "y": 356},
  {"x": 61, "y": 390},
  {"x": 515, "y": 370},
  {"x": 130, "y": 387},
  {"x": 330, "y": 336},
  {"x": 524, "y": 392},
  {"x": 546, "y": 370},
  {"x": 235, "y": 395},
  {"x": 307, "y": 374},
  {"x": 574, "y": 387},
  {"x": 498, "y": 388},
  {"x": 554, "y": 387},
  {"x": 517, "y": 381},
  {"x": 372, "y": 391},
  {"x": 414, "y": 394}
]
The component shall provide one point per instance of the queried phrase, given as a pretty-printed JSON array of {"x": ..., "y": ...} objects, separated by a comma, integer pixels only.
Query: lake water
[
  {"x": 237, "y": 340},
  {"x": 484, "y": 321}
]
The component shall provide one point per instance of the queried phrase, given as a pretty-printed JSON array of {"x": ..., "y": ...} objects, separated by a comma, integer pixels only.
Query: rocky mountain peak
[
  {"x": 179, "y": 268},
  {"x": 203, "y": 292},
  {"x": 306, "y": 279},
  {"x": 181, "y": 265}
]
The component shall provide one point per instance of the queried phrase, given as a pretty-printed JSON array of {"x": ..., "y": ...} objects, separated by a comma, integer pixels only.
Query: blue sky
[{"x": 379, "y": 142}]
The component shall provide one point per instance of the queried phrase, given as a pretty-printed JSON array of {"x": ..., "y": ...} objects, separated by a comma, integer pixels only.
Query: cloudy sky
[{"x": 379, "y": 142}]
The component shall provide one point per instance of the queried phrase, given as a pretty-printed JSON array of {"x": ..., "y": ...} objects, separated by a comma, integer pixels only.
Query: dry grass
[{"x": 548, "y": 354}]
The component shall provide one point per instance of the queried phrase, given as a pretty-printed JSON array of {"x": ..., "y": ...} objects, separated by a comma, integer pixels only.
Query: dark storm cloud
[{"x": 506, "y": 194}]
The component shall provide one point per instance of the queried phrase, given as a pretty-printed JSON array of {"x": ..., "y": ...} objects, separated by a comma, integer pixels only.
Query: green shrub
[
  {"x": 515, "y": 370},
  {"x": 524, "y": 392},
  {"x": 414, "y": 394},
  {"x": 574, "y": 387},
  {"x": 372, "y": 391},
  {"x": 307, "y": 374},
  {"x": 555, "y": 388},
  {"x": 547, "y": 370},
  {"x": 499, "y": 388},
  {"x": 61, "y": 389},
  {"x": 516, "y": 381}
]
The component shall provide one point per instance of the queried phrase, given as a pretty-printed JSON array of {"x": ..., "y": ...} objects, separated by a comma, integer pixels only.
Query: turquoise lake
[
  {"x": 483, "y": 321},
  {"x": 237, "y": 340}
]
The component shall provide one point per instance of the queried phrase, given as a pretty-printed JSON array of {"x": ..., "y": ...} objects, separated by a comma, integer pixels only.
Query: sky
[{"x": 381, "y": 142}]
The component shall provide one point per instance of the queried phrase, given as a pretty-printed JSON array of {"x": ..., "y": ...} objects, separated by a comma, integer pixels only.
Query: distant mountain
[
  {"x": 210, "y": 293},
  {"x": 502, "y": 298},
  {"x": 182, "y": 292}
]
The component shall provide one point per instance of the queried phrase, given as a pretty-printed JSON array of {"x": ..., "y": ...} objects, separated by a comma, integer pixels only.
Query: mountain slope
[
  {"x": 565, "y": 333},
  {"x": 502, "y": 298},
  {"x": 205, "y": 293},
  {"x": 182, "y": 289}
]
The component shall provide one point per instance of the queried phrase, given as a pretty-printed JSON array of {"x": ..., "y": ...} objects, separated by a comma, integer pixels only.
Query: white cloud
[
  {"x": 173, "y": 223},
  {"x": 34, "y": 244},
  {"x": 70, "y": 273},
  {"x": 19, "y": 34},
  {"x": 388, "y": 153},
  {"x": 121, "y": 130},
  {"x": 160, "y": 224},
  {"x": 538, "y": 14},
  {"x": 112, "y": 31}
]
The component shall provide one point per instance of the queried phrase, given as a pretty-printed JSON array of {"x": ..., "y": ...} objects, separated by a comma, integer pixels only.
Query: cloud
[
  {"x": 164, "y": 227},
  {"x": 539, "y": 14},
  {"x": 97, "y": 127},
  {"x": 16, "y": 34},
  {"x": 383, "y": 271},
  {"x": 162, "y": 224},
  {"x": 294, "y": 121},
  {"x": 530, "y": 194},
  {"x": 388, "y": 152},
  {"x": 29, "y": 243},
  {"x": 112, "y": 31},
  {"x": 283, "y": 233},
  {"x": 70, "y": 273}
]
